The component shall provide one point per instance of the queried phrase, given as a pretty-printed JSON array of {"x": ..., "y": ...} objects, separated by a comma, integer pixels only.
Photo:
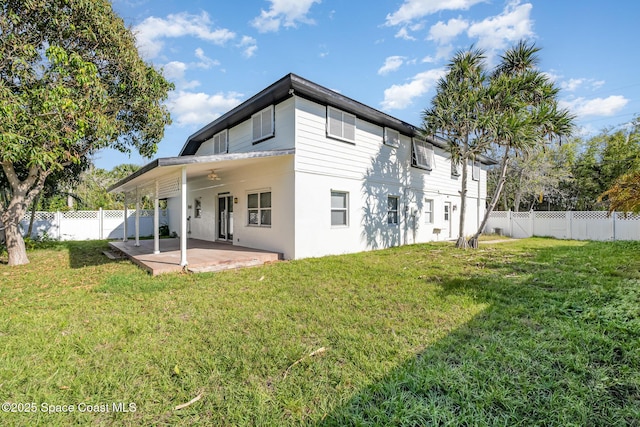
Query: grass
[{"x": 529, "y": 332}]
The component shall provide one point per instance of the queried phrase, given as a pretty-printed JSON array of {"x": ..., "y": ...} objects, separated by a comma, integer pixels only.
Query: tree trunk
[
  {"x": 473, "y": 242},
  {"x": 14, "y": 241},
  {"x": 33, "y": 215},
  {"x": 462, "y": 240}
]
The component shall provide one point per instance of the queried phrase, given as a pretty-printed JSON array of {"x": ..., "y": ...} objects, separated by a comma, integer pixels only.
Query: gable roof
[{"x": 285, "y": 88}]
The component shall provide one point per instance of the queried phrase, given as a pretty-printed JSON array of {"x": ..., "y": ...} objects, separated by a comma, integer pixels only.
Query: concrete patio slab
[{"x": 202, "y": 255}]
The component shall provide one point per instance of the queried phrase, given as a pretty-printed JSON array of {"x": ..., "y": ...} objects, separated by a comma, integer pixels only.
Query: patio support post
[
  {"x": 126, "y": 217},
  {"x": 137, "y": 218},
  {"x": 183, "y": 217},
  {"x": 156, "y": 222}
]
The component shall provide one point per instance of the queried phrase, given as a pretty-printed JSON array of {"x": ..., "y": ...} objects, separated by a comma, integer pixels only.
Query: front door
[
  {"x": 225, "y": 217},
  {"x": 447, "y": 218}
]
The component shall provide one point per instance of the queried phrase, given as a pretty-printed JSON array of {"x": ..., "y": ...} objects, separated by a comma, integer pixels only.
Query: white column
[
  {"x": 137, "y": 218},
  {"x": 126, "y": 215},
  {"x": 183, "y": 217},
  {"x": 156, "y": 222}
]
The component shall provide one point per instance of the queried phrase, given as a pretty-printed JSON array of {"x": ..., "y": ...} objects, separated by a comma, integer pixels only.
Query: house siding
[
  {"x": 240, "y": 136},
  {"x": 370, "y": 171}
]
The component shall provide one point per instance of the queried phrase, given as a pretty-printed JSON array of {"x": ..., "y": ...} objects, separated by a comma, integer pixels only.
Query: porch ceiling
[{"x": 197, "y": 166}]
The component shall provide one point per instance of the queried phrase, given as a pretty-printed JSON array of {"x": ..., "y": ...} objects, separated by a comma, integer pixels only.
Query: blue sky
[{"x": 386, "y": 54}]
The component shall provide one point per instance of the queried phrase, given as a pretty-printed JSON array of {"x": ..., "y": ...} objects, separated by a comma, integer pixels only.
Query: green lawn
[{"x": 529, "y": 332}]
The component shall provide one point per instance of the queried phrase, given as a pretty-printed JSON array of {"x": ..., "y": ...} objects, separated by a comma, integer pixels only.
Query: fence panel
[
  {"x": 579, "y": 225},
  {"x": 89, "y": 225}
]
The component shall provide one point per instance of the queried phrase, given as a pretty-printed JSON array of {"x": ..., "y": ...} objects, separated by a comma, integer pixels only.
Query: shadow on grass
[{"x": 559, "y": 344}]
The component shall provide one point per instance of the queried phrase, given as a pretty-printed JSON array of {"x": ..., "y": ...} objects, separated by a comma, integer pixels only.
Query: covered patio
[
  {"x": 204, "y": 256},
  {"x": 166, "y": 178}
]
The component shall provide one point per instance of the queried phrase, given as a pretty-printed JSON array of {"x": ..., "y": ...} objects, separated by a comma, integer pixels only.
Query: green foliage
[{"x": 71, "y": 82}]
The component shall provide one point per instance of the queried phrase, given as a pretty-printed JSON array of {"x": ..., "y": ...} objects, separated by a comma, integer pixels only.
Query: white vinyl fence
[
  {"x": 89, "y": 225},
  {"x": 579, "y": 225}
]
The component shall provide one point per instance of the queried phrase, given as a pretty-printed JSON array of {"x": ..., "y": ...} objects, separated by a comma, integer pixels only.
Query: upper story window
[
  {"x": 341, "y": 125},
  {"x": 220, "y": 141},
  {"x": 422, "y": 154},
  {"x": 262, "y": 124},
  {"x": 455, "y": 170},
  {"x": 475, "y": 171},
  {"x": 391, "y": 137}
]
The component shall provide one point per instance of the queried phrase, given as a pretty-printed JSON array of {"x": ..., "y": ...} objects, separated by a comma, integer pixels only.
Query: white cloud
[
  {"x": 583, "y": 107},
  {"x": 283, "y": 12},
  {"x": 249, "y": 45},
  {"x": 191, "y": 108},
  {"x": 175, "y": 71},
  {"x": 497, "y": 32},
  {"x": 443, "y": 33},
  {"x": 392, "y": 63},
  {"x": 205, "y": 62},
  {"x": 416, "y": 9},
  {"x": 404, "y": 34},
  {"x": 151, "y": 32},
  {"x": 401, "y": 96},
  {"x": 574, "y": 84}
]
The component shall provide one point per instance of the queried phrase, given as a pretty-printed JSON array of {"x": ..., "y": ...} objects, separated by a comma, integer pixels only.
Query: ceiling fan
[{"x": 213, "y": 176}]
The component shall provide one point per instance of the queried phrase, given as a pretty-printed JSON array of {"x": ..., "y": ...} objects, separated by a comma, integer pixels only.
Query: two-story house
[{"x": 305, "y": 171}]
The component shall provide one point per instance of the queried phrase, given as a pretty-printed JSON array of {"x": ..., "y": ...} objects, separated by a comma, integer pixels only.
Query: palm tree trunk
[
  {"x": 462, "y": 241},
  {"x": 473, "y": 242}
]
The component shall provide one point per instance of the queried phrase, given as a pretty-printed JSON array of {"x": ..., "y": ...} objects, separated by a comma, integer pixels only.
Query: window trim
[
  {"x": 428, "y": 213},
  {"x": 272, "y": 119},
  {"x": 388, "y": 140},
  {"x": 475, "y": 170},
  {"x": 396, "y": 210},
  {"x": 455, "y": 170},
  {"x": 342, "y": 121},
  {"x": 259, "y": 209},
  {"x": 345, "y": 209},
  {"x": 226, "y": 142},
  {"x": 430, "y": 153}
]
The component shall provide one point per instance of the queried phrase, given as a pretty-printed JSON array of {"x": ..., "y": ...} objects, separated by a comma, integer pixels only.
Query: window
[
  {"x": 339, "y": 208},
  {"x": 475, "y": 171},
  {"x": 341, "y": 125},
  {"x": 446, "y": 212},
  {"x": 391, "y": 137},
  {"x": 428, "y": 211},
  {"x": 422, "y": 154},
  {"x": 197, "y": 210},
  {"x": 259, "y": 206},
  {"x": 455, "y": 170},
  {"x": 392, "y": 210},
  {"x": 220, "y": 142},
  {"x": 262, "y": 124}
]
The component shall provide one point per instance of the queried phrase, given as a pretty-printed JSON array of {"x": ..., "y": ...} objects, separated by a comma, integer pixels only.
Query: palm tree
[
  {"x": 521, "y": 113},
  {"x": 457, "y": 115}
]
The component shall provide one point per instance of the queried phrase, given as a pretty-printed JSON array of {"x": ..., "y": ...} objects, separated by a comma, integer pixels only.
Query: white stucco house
[{"x": 305, "y": 171}]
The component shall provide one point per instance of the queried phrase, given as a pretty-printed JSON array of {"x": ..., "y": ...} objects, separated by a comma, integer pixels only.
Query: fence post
[
  {"x": 100, "y": 223},
  {"x": 532, "y": 222},
  {"x": 613, "y": 224},
  {"x": 569, "y": 222},
  {"x": 58, "y": 220},
  {"x": 510, "y": 219}
]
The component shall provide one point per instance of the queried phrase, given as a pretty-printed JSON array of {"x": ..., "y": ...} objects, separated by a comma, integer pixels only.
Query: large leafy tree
[
  {"x": 71, "y": 82},
  {"x": 521, "y": 113},
  {"x": 456, "y": 114},
  {"x": 624, "y": 195}
]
